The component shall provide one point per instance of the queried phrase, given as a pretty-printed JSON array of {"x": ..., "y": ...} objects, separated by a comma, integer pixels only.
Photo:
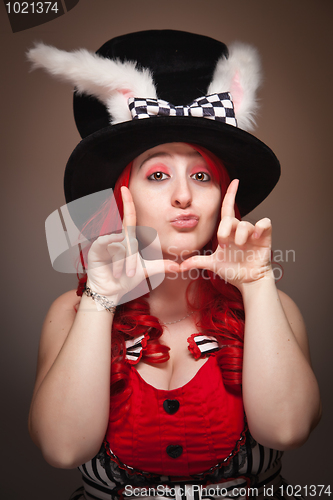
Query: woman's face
[{"x": 174, "y": 193}]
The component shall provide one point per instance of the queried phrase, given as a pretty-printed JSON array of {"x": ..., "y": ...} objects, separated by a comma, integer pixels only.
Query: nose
[{"x": 182, "y": 195}]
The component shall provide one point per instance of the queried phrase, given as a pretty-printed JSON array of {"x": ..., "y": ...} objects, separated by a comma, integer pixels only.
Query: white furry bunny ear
[
  {"x": 240, "y": 74},
  {"x": 111, "y": 82}
]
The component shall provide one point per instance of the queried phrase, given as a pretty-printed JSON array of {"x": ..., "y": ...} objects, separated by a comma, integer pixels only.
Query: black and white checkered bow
[{"x": 215, "y": 107}]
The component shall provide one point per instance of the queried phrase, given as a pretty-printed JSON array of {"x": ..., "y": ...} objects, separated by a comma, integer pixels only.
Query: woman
[{"x": 199, "y": 398}]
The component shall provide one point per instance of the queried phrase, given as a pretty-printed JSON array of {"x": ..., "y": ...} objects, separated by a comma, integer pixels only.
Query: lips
[{"x": 185, "y": 221}]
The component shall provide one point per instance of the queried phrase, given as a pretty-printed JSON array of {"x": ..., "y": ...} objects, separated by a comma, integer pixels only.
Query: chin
[
  {"x": 179, "y": 253},
  {"x": 182, "y": 245}
]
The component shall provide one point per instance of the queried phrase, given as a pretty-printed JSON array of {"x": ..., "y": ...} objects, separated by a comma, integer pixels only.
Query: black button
[
  {"x": 171, "y": 406},
  {"x": 174, "y": 450}
]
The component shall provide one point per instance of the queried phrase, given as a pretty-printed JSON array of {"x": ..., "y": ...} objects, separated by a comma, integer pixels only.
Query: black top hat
[{"x": 120, "y": 107}]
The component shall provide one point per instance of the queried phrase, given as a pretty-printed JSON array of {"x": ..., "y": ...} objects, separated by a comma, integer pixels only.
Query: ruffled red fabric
[
  {"x": 193, "y": 347},
  {"x": 209, "y": 425},
  {"x": 144, "y": 343}
]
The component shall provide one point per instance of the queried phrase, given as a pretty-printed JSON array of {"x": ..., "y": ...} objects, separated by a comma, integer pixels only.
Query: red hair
[{"x": 218, "y": 304}]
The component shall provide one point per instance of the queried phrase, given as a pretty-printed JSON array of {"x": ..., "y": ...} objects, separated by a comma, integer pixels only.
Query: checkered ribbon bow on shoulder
[{"x": 215, "y": 107}]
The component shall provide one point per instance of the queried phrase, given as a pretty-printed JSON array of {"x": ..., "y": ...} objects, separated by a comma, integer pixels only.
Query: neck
[{"x": 168, "y": 301}]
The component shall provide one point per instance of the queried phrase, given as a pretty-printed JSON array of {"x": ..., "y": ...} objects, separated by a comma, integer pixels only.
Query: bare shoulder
[
  {"x": 291, "y": 310},
  {"x": 296, "y": 322},
  {"x": 60, "y": 317},
  {"x": 56, "y": 327},
  {"x": 61, "y": 314},
  {"x": 66, "y": 302}
]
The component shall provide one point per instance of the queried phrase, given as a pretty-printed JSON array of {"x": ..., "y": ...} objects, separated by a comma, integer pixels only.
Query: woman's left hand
[{"x": 244, "y": 250}]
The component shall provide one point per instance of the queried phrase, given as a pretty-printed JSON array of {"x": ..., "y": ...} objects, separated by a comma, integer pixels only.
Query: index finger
[
  {"x": 228, "y": 204},
  {"x": 129, "y": 219}
]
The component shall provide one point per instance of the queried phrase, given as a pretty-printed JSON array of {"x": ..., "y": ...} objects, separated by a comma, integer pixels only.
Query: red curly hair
[{"x": 218, "y": 304}]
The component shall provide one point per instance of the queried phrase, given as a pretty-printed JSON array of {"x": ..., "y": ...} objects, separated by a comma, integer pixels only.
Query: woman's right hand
[{"x": 115, "y": 266}]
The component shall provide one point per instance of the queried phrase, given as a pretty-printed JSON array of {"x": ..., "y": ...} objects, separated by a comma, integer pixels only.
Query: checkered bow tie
[{"x": 215, "y": 107}]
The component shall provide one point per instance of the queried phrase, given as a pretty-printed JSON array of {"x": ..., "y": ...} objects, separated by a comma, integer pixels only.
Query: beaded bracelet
[{"x": 100, "y": 299}]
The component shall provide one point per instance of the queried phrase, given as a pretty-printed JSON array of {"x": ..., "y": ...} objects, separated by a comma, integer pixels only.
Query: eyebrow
[{"x": 161, "y": 153}]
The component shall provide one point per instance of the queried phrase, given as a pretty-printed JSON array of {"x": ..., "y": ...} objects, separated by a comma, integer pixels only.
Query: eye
[
  {"x": 201, "y": 176},
  {"x": 158, "y": 176}
]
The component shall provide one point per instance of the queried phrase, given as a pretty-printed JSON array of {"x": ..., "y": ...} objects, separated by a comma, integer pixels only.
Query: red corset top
[{"x": 180, "y": 432}]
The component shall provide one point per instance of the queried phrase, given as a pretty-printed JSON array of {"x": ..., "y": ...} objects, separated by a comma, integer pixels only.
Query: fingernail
[{"x": 131, "y": 273}]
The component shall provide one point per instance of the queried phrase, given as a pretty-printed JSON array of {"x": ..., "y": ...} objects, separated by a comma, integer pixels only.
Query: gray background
[{"x": 38, "y": 134}]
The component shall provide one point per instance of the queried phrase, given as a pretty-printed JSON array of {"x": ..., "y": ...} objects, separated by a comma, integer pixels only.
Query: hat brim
[{"x": 100, "y": 158}]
